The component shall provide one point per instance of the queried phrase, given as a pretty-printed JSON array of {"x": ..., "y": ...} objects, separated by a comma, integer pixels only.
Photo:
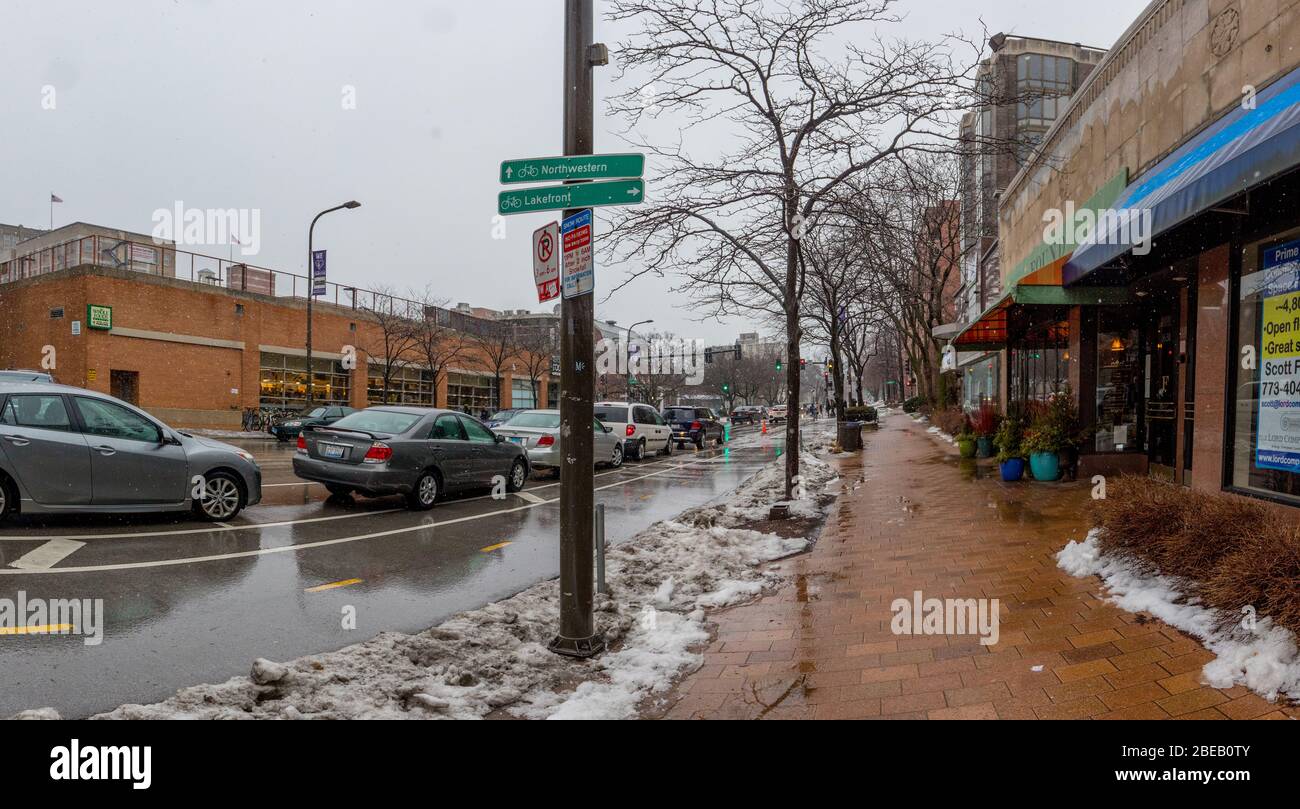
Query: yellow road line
[
  {"x": 43, "y": 629},
  {"x": 320, "y": 588},
  {"x": 495, "y": 547}
]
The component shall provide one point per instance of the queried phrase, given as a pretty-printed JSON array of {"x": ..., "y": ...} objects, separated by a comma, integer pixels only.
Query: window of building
[
  {"x": 1265, "y": 399},
  {"x": 553, "y": 393},
  {"x": 283, "y": 381},
  {"x": 521, "y": 393},
  {"x": 980, "y": 382},
  {"x": 470, "y": 393},
  {"x": 406, "y": 385},
  {"x": 1119, "y": 375},
  {"x": 1039, "y": 364}
]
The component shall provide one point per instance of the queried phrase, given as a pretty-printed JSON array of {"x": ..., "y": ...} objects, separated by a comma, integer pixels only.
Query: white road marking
[
  {"x": 320, "y": 543},
  {"x": 47, "y": 555},
  {"x": 531, "y": 498}
]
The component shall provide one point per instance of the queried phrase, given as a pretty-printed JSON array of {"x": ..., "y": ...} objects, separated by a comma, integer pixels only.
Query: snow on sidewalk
[
  {"x": 662, "y": 581},
  {"x": 1263, "y": 658}
]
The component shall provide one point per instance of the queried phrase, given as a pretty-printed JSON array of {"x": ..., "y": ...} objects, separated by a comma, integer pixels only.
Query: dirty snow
[
  {"x": 495, "y": 659},
  {"x": 1264, "y": 659},
  {"x": 941, "y": 434}
]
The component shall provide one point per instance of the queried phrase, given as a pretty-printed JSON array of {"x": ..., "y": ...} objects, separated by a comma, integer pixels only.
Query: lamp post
[
  {"x": 311, "y": 292},
  {"x": 627, "y": 381}
]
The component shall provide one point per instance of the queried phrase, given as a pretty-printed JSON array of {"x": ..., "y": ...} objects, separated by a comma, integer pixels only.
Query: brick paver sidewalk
[{"x": 915, "y": 517}]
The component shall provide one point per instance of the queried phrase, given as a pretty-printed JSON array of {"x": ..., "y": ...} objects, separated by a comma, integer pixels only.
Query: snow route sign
[{"x": 579, "y": 268}]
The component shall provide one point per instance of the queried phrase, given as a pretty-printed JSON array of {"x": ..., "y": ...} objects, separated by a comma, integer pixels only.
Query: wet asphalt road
[{"x": 187, "y": 602}]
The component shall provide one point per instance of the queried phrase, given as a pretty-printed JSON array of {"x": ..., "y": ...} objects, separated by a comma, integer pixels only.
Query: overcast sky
[{"x": 238, "y": 104}]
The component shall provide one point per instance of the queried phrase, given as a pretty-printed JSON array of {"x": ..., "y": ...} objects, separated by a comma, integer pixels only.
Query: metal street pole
[
  {"x": 627, "y": 377},
  {"x": 578, "y": 636},
  {"x": 311, "y": 294}
]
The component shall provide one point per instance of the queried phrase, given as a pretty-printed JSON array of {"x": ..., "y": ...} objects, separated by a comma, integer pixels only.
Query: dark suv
[
  {"x": 698, "y": 425},
  {"x": 748, "y": 414}
]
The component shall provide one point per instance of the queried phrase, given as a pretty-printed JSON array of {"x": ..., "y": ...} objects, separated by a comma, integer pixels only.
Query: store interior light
[{"x": 1116, "y": 345}]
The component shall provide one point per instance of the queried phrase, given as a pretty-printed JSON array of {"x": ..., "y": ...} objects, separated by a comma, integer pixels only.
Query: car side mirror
[
  {"x": 607, "y": 428},
  {"x": 500, "y": 438}
]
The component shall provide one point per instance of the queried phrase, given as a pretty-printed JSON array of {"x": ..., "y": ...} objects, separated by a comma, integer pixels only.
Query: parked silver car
[
  {"x": 68, "y": 450},
  {"x": 417, "y": 452},
  {"x": 538, "y": 432}
]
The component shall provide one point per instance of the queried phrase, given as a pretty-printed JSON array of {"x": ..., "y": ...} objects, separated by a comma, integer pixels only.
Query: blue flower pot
[
  {"x": 1046, "y": 466},
  {"x": 1012, "y": 470}
]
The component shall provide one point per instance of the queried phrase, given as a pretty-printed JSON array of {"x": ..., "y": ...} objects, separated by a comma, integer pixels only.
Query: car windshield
[
  {"x": 546, "y": 421},
  {"x": 501, "y": 415},
  {"x": 378, "y": 421},
  {"x": 316, "y": 414},
  {"x": 617, "y": 415},
  {"x": 679, "y": 413}
]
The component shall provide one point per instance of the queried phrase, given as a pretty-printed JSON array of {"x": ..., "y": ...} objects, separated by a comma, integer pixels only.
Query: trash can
[{"x": 850, "y": 436}]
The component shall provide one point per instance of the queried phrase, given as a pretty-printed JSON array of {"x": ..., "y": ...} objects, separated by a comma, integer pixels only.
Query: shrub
[
  {"x": 913, "y": 404},
  {"x": 1008, "y": 439},
  {"x": 952, "y": 421},
  {"x": 986, "y": 420},
  {"x": 1232, "y": 552},
  {"x": 860, "y": 413}
]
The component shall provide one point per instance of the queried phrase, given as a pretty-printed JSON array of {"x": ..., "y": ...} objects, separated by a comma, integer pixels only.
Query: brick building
[{"x": 198, "y": 340}]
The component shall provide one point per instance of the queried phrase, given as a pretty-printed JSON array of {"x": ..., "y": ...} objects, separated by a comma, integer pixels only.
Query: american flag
[{"x": 55, "y": 198}]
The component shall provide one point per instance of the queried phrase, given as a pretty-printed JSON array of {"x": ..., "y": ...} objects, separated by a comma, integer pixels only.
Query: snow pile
[
  {"x": 941, "y": 434},
  {"x": 244, "y": 434},
  {"x": 1263, "y": 657},
  {"x": 495, "y": 658}
]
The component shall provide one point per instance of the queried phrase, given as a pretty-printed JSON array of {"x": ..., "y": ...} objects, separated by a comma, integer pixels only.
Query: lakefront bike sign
[{"x": 578, "y": 195}]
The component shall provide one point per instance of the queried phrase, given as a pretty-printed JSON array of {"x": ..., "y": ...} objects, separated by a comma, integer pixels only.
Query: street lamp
[
  {"x": 627, "y": 382},
  {"x": 311, "y": 292}
]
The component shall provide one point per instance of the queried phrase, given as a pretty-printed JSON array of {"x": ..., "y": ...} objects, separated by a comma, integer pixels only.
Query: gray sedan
[
  {"x": 538, "y": 432},
  {"x": 417, "y": 452},
  {"x": 66, "y": 450}
]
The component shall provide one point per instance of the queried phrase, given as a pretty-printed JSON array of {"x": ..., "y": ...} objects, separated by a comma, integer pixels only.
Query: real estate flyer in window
[{"x": 1277, "y": 442}]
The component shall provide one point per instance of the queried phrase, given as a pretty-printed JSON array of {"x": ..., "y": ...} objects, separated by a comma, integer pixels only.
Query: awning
[
  {"x": 989, "y": 331},
  {"x": 1244, "y": 149}
]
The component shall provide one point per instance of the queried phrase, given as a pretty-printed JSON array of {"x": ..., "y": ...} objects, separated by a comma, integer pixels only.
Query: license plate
[
  {"x": 333, "y": 450},
  {"x": 516, "y": 439}
]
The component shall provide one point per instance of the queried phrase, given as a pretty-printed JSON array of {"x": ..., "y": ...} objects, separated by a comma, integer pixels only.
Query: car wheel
[
  {"x": 222, "y": 498},
  {"x": 425, "y": 493},
  {"x": 617, "y": 461},
  {"x": 668, "y": 447},
  {"x": 699, "y": 441},
  {"x": 518, "y": 474},
  {"x": 638, "y": 450},
  {"x": 8, "y": 498},
  {"x": 338, "y": 491}
]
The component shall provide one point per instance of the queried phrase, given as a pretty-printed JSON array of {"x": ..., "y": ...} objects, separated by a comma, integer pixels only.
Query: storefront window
[
  {"x": 1118, "y": 377},
  {"x": 1266, "y": 398},
  {"x": 408, "y": 386},
  {"x": 553, "y": 393},
  {"x": 980, "y": 382},
  {"x": 1039, "y": 364},
  {"x": 283, "y": 381},
  {"x": 521, "y": 393},
  {"x": 471, "y": 393}
]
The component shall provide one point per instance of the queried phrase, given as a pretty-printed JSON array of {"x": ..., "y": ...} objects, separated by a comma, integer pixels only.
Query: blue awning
[{"x": 1244, "y": 149}]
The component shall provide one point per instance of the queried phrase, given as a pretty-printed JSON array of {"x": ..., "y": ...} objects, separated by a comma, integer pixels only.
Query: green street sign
[
  {"x": 584, "y": 167},
  {"x": 578, "y": 195}
]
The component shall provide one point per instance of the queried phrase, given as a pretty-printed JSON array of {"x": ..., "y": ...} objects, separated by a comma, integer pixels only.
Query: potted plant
[
  {"x": 966, "y": 440},
  {"x": 1042, "y": 443},
  {"x": 1064, "y": 417},
  {"x": 1011, "y": 462},
  {"x": 985, "y": 425}
]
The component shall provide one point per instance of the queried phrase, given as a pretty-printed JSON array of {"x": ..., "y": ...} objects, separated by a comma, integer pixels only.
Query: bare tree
[
  {"x": 494, "y": 344},
  {"x": 537, "y": 342},
  {"x": 437, "y": 345},
  {"x": 814, "y": 95},
  {"x": 397, "y": 321}
]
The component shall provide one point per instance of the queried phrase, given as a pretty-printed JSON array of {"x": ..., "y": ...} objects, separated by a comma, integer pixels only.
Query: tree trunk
[{"x": 791, "y": 365}]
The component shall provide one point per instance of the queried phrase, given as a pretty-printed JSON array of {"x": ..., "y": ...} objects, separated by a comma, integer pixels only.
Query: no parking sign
[{"x": 546, "y": 262}]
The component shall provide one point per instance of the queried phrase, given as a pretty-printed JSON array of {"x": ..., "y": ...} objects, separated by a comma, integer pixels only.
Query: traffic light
[
  {"x": 778, "y": 365},
  {"x": 726, "y": 388},
  {"x": 803, "y": 363},
  {"x": 830, "y": 365}
]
